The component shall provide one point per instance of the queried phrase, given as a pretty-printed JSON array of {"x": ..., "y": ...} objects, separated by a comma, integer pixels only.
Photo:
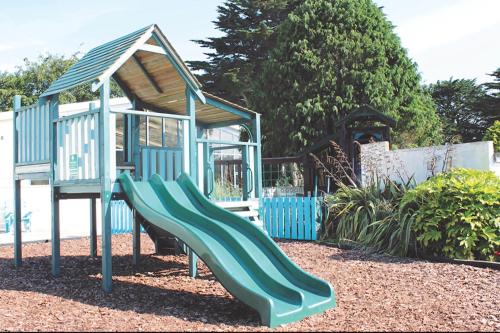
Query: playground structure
[{"x": 157, "y": 157}]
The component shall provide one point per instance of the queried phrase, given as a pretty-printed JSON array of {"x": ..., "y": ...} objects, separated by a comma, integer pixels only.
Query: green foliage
[
  {"x": 225, "y": 190},
  {"x": 248, "y": 34},
  {"x": 32, "y": 78},
  {"x": 330, "y": 58},
  {"x": 493, "y": 134},
  {"x": 456, "y": 214},
  {"x": 369, "y": 216},
  {"x": 461, "y": 105}
]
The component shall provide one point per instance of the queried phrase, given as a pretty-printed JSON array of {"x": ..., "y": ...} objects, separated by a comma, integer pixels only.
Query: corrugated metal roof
[{"x": 95, "y": 62}]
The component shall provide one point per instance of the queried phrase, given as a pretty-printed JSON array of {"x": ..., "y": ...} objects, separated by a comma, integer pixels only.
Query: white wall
[
  {"x": 75, "y": 214},
  {"x": 422, "y": 163}
]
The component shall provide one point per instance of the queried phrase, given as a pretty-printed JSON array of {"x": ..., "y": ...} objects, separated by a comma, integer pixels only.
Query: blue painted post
[
  {"x": 190, "y": 111},
  {"x": 93, "y": 214},
  {"x": 245, "y": 171},
  {"x": 136, "y": 238},
  {"x": 17, "y": 189},
  {"x": 104, "y": 173},
  {"x": 257, "y": 156},
  {"x": 54, "y": 195},
  {"x": 193, "y": 160},
  {"x": 135, "y": 132},
  {"x": 313, "y": 220},
  {"x": 93, "y": 227},
  {"x": 193, "y": 263}
]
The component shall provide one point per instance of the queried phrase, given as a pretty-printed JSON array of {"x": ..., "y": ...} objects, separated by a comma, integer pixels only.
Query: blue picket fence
[
  {"x": 295, "y": 218},
  {"x": 121, "y": 217}
]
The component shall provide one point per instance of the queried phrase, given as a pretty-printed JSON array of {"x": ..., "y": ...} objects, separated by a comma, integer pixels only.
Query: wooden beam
[
  {"x": 228, "y": 108},
  {"x": 93, "y": 227},
  {"x": 146, "y": 73},
  {"x": 17, "y": 189},
  {"x": 54, "y": 191},
  {"x": 105, "y": 182},
  {"x": 152, "y": 48}
]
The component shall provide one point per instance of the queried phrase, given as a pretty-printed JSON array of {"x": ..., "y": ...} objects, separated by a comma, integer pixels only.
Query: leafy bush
[
  {"x": 493, "y": 134},
  {"x": 456, "y": 214},
  {"x": 369, "y": 216},
  {"x": 225, "y": 190}
]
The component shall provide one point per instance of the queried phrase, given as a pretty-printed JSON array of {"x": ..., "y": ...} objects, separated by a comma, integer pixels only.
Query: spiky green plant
[{"x": 370, "y": 217}]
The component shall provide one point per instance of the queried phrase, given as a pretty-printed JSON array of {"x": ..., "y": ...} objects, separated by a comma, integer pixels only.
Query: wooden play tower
[{"x": 78, "y": 154}]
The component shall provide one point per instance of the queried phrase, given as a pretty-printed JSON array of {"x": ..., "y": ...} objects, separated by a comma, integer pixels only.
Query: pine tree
[
  {"x": 237, "y": 56},
  {"x": 331, "y": 57}
]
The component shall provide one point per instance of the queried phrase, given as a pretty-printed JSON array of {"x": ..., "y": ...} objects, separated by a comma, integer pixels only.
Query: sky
[{"x": 446, "y": 38}]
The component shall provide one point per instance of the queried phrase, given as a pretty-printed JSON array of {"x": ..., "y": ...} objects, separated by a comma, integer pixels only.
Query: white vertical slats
[
  {"x": 78, "y": 136},
  {"x": 33, "y": 134}
]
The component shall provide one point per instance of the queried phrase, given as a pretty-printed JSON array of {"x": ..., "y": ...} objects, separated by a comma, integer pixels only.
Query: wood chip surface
[{"x": 374, "y": 293}]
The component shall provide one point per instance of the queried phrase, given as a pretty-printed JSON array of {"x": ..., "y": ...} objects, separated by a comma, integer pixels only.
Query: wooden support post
[
  {"x": 18, "y": 248},
  {"x": 55, "y": 232},
  {"x": 257, "y": 157},
  {"x": 93, "y": 216},
  {"x": 17, "y": 188},
  {"x": 104, "y": 173},
  {"x": 190, "y": 111},
  {"x": 193, "y": 160},
  {"x": 54, "y": 191},
  {"x": 136, "y": 238},
  {"x": 245, "y": 171},
  {"x": 193, "y": 263},
  {"x": 93, "y": 227},
  {"x": 135, "y": 133}
]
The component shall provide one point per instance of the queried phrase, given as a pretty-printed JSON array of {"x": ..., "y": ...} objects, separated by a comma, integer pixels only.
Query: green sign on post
[{"x": 73, "y": 166}]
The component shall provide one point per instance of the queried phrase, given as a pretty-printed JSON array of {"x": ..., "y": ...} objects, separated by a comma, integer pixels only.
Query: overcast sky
[{"x": 446, "y": 38}]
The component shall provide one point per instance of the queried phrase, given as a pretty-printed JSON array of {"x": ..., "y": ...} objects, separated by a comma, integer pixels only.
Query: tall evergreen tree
[
  {"x": 463, "y": 108},
  {"x": 237, "y": 56},
  {"x": 332, "y": 56}
]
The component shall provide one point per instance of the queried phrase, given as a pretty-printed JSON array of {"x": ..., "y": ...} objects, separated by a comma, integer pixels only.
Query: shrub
[
  {"x": 224, "y": 190},
  {"x": 456, "y": 214},
  {"x": 493, "y": 134},
  {"x": 369, "y": 217}
]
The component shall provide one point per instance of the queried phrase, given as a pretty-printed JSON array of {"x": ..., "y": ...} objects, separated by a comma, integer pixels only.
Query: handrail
[
  {"x": 210, "y": 182},
  {"x": 76, "y": 115},
  {"x": 151, "y": 114},
  {"x": 249, "y": 190},
  {"x": 238, "y": 143}
]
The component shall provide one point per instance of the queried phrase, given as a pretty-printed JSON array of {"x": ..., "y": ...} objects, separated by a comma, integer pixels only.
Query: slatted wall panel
[
  {"x": 167, "y": 162},
  {"x": 32, "y": 123},
  {"x": 78, "y": 147}
]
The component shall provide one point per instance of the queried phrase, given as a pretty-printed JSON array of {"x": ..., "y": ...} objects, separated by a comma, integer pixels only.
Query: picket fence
[
  {"x": 295, "y": 218},
  {"x": 292, "y": 217}
]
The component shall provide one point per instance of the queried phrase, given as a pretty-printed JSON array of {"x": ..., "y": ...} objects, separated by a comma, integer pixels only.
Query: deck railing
[
  {"x": 32, "y": 123},
  {"x": 78, "y": 146}
]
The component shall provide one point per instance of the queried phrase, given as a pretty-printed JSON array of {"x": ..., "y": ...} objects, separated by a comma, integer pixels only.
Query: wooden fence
[
  {"x": 295, "y": 218},
  {"x": 292, "y": 217}
]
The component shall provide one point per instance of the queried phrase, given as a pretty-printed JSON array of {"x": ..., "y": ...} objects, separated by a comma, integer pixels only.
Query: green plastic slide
[{"x": 245, "y": 260}]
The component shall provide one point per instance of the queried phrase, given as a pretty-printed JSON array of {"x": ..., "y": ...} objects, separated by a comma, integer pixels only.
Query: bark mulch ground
[{"x": 374, "y": 292}]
